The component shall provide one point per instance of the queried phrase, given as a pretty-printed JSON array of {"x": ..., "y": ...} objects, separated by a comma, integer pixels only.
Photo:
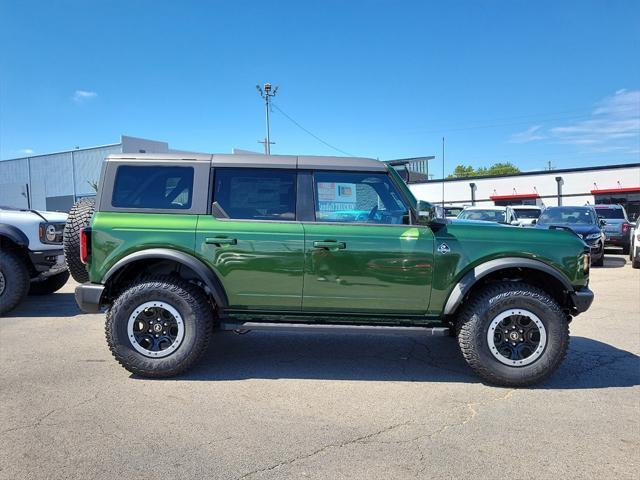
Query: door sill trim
[{"x": 243, "y": 327}]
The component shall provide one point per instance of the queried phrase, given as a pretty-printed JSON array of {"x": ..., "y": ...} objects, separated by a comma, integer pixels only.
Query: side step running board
[{"x": 245, "y": 327}]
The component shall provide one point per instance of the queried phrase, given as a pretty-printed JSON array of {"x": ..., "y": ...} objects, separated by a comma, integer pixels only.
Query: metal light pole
[{"x": 266, "y": 94}]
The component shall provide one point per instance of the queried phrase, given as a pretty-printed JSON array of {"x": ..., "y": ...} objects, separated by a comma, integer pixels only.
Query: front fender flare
[
  {"x": 472, "y": 276},
  {"x": 204, "y": 272},
  {"x": 14, "y": 234}
]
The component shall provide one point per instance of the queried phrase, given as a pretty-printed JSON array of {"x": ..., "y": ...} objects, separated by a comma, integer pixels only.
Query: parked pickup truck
[{"x": 180, "y": 245}]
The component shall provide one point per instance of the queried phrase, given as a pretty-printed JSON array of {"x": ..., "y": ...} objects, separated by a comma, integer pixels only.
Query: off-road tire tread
[
  {"x": 148, "y": 367},
  {"x": 469, "y": 322},
  {"x": 16, "y": 275},
  {"x": 50, "y": 284},
  {"x": 79, "y": 217}
]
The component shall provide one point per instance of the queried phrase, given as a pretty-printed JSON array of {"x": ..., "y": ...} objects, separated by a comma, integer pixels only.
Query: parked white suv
[{"x": 31, "y": 255}]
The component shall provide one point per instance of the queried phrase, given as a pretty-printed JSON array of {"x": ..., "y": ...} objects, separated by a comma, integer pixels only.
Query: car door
[
  {"x": 252, "y": 240},
  {"x": 361, "y": 253}
]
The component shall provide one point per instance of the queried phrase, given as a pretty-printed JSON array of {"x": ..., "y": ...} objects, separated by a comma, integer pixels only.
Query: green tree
[{"x": 462, "y": 171}]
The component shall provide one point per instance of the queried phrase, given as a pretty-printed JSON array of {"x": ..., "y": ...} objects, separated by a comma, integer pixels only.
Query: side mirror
[
  {"x": 515, "y": 223},
  {"x": 602, "y": 222},
  {"x": 534, "y": 221},
  {"x": 428, "y": 214}
]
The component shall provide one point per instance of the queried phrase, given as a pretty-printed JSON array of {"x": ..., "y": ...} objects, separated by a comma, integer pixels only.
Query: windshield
[
  {"x": 527, "y": 212},
  {"x": 484, "y": 215},
  {"x": 452, "y": 211},
  {"x": 615, "y": 213},
  {"x": 567, "y": 216}
]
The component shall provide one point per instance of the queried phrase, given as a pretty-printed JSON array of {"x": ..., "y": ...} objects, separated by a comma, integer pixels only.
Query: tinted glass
[
  {"x": 452, "y": 211},
  {"x": 527, "y": 212},
  {"x": 348, "y": 197},
  {"x": 484, "y": 215},
  {"x": 153, "y": 187},
  {"x": 567, "y": 216},
  {"x": 256, "y": 194},
  {"x": 613, "y": 213}
]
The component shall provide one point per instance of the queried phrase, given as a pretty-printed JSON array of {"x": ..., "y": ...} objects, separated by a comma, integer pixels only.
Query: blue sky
[{"x": 521, "y": 81}]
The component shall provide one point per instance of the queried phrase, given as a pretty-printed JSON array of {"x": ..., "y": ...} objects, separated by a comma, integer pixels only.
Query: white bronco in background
[{"x": 31, "y": 255}]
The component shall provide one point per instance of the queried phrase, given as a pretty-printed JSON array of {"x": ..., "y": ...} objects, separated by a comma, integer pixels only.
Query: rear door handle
[
  {"x": 219, "y": 241},
  {"x": 330, "y": 245}
]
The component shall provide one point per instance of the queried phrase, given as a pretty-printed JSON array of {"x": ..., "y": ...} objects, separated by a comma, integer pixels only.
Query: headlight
[
  {"x": 51, "y": 232},
  {"x": 592, "y": 236}
]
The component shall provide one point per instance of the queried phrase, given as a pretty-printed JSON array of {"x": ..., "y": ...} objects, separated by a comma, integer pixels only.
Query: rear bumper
[
  {"x": 582, "y": 299},
  {"x": 88, "y": 296}
]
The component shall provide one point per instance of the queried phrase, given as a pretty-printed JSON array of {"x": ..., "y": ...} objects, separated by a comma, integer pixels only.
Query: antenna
[{"x": 266, "y": 94}]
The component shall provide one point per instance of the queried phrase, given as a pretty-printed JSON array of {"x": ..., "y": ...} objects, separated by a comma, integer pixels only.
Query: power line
[{"x": 307, "y": 131}]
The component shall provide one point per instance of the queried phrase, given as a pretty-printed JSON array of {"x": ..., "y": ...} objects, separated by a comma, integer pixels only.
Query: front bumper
[
  {"x": 582, "y": 299},
  {"x": 88, "y": 296},
  {"x": 48, "y": 262}
]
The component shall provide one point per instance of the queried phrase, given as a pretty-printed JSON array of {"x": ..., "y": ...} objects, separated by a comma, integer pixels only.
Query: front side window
[
  {"x": 256, "y": 194},
  {"x": 153, "y": 187},
  {"x": 349, "y": 197}
]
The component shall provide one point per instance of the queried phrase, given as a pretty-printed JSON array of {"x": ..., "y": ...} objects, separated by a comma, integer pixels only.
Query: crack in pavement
[
  {"x": 322, "y": 449},
  {"x": 470, "y": 406},
  {"x": 38, "y": 422}
]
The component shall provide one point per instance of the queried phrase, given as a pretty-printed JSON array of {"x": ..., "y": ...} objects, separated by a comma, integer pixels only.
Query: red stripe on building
[
  {"x": 515, "y": 196},
  {"x": 615, "y": 190}
]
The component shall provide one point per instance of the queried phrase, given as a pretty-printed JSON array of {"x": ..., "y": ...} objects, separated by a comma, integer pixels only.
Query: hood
[
  {"x": 579, "y": 229},
  {"x": 52, "y": 216}
]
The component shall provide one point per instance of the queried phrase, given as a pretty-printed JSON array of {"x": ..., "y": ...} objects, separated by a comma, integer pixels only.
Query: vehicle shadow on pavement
[
  {"x": 59, "y": 304},
  {"x": 265, "y": 355},
  {"x": 613, "y": 262}
]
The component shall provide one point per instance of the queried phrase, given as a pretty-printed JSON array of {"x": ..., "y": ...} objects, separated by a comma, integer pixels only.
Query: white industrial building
[
  {"x": 56, "y": 180},
  {"x": 609, "y": 184}
]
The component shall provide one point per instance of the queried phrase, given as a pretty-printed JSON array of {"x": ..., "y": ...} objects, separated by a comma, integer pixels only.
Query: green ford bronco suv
[{"x": 180, "y": 245}]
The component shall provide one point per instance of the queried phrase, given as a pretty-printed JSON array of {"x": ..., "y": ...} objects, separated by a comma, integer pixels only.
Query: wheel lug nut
[
  {"x": 164, "y": 332},
  {"x": 506, "y": 331},
  {"x": 521, "y": 331},
  {"x": 159, "y": 335},
  {"x": 165, "y": 324},
  {"x": 149, "y": 330}
]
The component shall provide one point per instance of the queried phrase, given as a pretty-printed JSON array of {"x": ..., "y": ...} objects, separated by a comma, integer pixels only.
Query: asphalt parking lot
[{"x": 325, "y": 406}]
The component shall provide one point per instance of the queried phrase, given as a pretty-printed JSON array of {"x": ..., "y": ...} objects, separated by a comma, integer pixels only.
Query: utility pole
[
  {"x": 442, "y": 172},
  {"x": 266, "y": 94}
]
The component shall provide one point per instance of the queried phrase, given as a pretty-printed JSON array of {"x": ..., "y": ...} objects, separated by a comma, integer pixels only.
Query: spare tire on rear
[{"x": 79, "y": 217}]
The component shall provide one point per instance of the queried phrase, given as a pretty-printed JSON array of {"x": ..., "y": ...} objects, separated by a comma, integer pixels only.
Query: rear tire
[
  {"x": 50, "y": 284},
  {"x": 14, "y": 281},
  {"x": 79, "y": 217},
  {"x": 508, "y": 299},
  {"x": 625, "y": 249},
  {"x": 177, "y": 305},
  {"x": 635, "y": 263}
]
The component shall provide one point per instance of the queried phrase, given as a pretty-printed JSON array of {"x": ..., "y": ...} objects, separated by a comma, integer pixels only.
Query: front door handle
[
  {"x": 219, "y": 241},
  {"x": 330, "y": 245}
]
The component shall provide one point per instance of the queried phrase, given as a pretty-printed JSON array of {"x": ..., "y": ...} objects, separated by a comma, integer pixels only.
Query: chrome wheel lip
[
  {"x": 531, "y": 358},
  {"x": 150, "y": 353},
  {"x": 3, "y": 283}
]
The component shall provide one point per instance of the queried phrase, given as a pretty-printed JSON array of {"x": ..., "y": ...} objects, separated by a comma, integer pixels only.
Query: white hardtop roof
[{"x": 259, "y": 161}]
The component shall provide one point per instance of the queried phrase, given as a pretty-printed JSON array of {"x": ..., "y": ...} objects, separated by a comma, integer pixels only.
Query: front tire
[
  {"x": 536, "y": 338},
  {"x": 14, "y": 281},
  {"x": 50, "y": 284},
  {"x": 159, "y": 327}
]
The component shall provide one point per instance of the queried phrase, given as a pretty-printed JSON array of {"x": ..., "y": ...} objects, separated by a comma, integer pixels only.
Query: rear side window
[
  {"x": 256, "y": 194},
  {"x": 153, "y": 187}
]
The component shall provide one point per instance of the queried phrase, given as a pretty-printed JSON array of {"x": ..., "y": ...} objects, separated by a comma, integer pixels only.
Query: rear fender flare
[{"x": 204, "y": 273}]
